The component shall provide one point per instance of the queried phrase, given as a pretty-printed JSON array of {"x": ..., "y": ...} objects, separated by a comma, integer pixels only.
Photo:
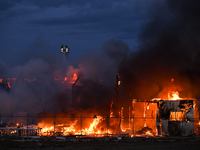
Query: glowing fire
[
  {"x": 74, "y": 77},
  {"x": 111, "y": 110},
  {"x": 173, "y": 95},
  {"x": 177, "y": 116},
  {"x": 98, "y": 124},
  {"x": 69, "y": 80},
  {"x": 149, "y": 133},
  {"x": 70, "y": 129},
  {"x": 9, "y": 85}
]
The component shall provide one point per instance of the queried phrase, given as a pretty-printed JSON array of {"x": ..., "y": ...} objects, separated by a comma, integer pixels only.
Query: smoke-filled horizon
[
  {"x": 168, "y": 49},
  {"x": 39, "y": 84}
]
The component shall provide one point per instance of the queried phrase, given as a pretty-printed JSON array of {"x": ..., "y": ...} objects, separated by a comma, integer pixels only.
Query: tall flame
[
  {"x": 74, "y": 77},
  {"x": 173, "y": 95},
  {"x": 66, "y": 129}
]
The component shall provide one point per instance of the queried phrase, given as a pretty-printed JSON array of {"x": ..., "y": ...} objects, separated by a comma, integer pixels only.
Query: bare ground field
[{"x": 102, "y": 144}]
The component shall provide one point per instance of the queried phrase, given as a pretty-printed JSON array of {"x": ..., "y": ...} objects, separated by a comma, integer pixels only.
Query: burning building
[
  {"x": 154, "y": 117},
  {"x": 165, "y": 117},
  {"x": 177, "y": 117}
]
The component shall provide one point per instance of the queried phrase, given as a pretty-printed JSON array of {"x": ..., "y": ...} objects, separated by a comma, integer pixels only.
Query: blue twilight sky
[
  {"x": 37, "y": 28},
  {"x": 148, "y": 42}
]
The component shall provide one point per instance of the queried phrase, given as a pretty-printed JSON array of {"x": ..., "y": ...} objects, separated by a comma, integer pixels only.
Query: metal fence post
[
  {"x": 107, "y": 124},
  {"x": 133, "y": 126},
  {"x": 27, "y": 126},
  {"x": 81, "y": 124},
  {"x": 54, "y": 123}
]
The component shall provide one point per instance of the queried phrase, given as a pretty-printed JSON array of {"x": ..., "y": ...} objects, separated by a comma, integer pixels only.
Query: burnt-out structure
[
  {"x": 166, "y": 117},
  {"x": 177, "y": 117}
]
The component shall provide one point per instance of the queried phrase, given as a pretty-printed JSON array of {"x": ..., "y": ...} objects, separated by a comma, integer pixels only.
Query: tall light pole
[{"x": 64, "y": 50}]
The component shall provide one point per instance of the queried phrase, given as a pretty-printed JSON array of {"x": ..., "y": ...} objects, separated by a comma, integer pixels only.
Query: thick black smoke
[{"x": 169, "y": 48}]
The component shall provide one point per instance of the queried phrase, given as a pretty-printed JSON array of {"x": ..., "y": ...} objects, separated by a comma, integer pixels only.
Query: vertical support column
[
  {"x": 133, "y": 126},
  {"x": 133, "y": 115},
  {"x": 81, "y": 124},
  {"x": 107, "y": 124},
  {"x": 129, "y": 117},
  {"x": 119, "y": 122},
  {"x": 0, "y": 123},
  {"x": 159, "y": 131},
  {"x": 54, "y": 123},
  {"x": 27, "y": 126}
]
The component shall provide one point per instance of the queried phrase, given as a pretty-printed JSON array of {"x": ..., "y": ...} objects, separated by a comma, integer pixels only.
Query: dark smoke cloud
[
  {"x": 169, "y": 48},
  {"x": 35, "y": 88},
  {"x": 99, "y": 75}
]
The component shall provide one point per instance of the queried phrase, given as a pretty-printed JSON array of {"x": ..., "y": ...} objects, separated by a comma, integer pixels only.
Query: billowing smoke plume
[{"x": 169, "y": 54}]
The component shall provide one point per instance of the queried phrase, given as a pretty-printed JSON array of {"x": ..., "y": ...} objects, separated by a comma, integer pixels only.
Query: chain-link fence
[{"x": 96, "y": 126}]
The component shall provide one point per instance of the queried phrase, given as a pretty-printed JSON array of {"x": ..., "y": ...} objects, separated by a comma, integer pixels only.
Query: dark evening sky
[{"x": 37, "y": 28}]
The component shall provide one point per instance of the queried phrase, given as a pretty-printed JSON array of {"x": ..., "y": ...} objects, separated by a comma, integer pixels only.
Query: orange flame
[
  {"x": 67, "y": 129},
  {"x": 111, "y": 110},
  {"x": 174, "y": 95},
  {"x": 74, "y": 77},
  {"x": 9, "y": 84}
]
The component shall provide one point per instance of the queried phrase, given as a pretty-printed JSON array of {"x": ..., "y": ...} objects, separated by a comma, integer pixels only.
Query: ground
[{"x": 102, "y": 144}]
